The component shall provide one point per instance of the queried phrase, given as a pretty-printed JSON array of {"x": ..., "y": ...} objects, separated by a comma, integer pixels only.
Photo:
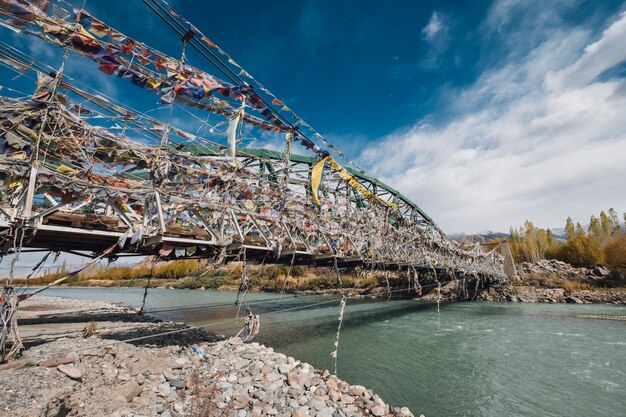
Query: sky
[{"x": 485, "y": 113}]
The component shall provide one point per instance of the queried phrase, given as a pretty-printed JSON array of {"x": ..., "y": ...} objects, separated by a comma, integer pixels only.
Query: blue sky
[{"x": 484, "y": 113}]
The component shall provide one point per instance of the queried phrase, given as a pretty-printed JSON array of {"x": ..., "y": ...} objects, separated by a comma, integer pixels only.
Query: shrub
[
  {"x": 614, "y": 280},
  {"x": 579, "y": 251},
  {"x": 615, "y": 251}
]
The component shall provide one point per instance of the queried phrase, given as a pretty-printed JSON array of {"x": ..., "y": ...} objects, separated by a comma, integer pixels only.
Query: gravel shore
[{"x": 190, "y": 374}]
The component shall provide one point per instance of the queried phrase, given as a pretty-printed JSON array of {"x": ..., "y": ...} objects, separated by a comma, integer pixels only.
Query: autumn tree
[
  {"x": 569, "y": 228},
  {"x": 615, "y": 251}
]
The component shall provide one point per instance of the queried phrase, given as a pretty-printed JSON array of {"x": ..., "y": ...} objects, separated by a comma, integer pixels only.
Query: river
[{"x": 467, "y": 359}]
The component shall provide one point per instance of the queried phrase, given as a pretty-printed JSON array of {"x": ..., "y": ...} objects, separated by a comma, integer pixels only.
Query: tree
[
  {"x": 613, "y": 216},
  {"x": 551, "y": 239},
  {"x": 529, "y": 242},
  {"x": 607, "y": 227},
  {"x": 595, "y": 228},
  {"x": 615, "y": 251},
  {"x": 580, "y": 251},
  {"x": 569, "y": 228},
  {"x": 515, "y": 243}
]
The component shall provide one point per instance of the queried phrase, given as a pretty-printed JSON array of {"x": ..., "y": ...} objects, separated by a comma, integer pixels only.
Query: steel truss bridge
[{"x": 74, "y": 180}]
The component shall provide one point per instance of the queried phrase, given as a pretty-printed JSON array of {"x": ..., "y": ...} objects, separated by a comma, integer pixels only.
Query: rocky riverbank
[
  {"x": 193, "y": 376},
  {"x": 553, "y": 295}
]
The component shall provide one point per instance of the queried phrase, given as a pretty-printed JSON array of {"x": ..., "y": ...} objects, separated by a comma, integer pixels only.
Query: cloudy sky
[{"x": 484, "y": 113}]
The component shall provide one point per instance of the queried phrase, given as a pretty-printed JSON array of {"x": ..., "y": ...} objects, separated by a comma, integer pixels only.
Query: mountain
[{"x": 480, "y": 237}]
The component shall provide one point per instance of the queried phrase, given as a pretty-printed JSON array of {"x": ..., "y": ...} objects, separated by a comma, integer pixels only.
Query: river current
[{"x": 463, "y": 359}]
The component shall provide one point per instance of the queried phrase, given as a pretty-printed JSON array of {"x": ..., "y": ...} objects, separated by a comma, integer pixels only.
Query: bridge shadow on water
[{"x": 322, "y": 321}]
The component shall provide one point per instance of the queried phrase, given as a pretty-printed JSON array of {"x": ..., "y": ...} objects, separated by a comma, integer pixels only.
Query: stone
[
  {"x": 123, "y": 376},
  {"x": 572, "y": 300},
  {"x": 168, "y": 374},
  {"x": 357, "y": 390},
  {"x": 148, "y": 364},
  {"x": 166, "y": 413},
  {"x": 298, "y": 413},
  {"x": 178, "y": 407},
  {"x": 326, "y": 412},
  {"x": 130, "y": 390},
  {"x": 163, "y": 389},
  {"x": 240, "y": 401},
  {"x": 284, "y": 368},
  {"x": 71, "y": 371},
  {"x": 317, "y": 403},
  {"x": 378, "y": 410},
  {"x": 331, "y": 383},
  {"x": 54, "y": 362},
  {"x": 273, "y": 377},
  {"x": 347, "y": 399},
  {"x": 406, "y": 412},
  {"x": 295, "y": 380},
  {"x": 259, "y": 394},
  {"x": 600, "y": 271},
  {"x": 240, "y": 363},
  {"x": 177, "y": 383}
]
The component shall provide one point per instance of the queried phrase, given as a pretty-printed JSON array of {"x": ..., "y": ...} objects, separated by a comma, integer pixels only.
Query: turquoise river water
[{"x": 468, "y": 359}]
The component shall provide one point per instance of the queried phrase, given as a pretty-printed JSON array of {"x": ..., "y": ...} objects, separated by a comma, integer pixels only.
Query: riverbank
[
  {"x": 554, "y": 295},
  {"x": 190, "y": 373}
]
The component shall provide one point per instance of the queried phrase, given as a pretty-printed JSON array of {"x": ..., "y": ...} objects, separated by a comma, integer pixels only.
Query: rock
[
  {"x": 240, "y": 401},
  {"x": 357, "y": 390},
  {"x": 512, "y": 298},
  {"x": 240, "y": 363},
  {"x": 149, "y": 364},
  {"x": 406, "y": 412},
  {"x": 284, "y": 368},
  {"x": 178, "y": 407},
  {"x": 123, "y": 376},
  {"x": 166, "y": 413},
  {"x": 298, "y": 413},
  {"x": 572, "y": 300},
  {"x": 273, "y": 377},
  {"x": 326, "y": 412},
  {"x": 71, "y": 371},
  {"x": 317, "y": 403},
  {"x": 130, "y": 390},
  {"x": 177, "y": 383},
  {"x": 54, "y": 362},
  {"x": 600, "y": 271},
  {"x": 378, "y": 410}
]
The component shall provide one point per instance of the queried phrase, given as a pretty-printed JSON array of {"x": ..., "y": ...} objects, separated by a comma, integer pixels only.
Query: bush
[
  {"x": 578, "y": 251},
  {"x": 614, "y": 280},
  {"x": 212, "y": 281},
  {"x": 615, "y": 251}
]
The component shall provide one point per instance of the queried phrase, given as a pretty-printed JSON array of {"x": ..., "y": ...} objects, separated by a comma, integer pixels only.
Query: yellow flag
[
  {"x": 316, "y": 178},
  {"x": 354, "y": 183},
  {"x": 66, "y": 170}
]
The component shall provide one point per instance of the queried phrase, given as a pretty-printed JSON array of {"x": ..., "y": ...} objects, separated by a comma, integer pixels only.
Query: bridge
[{"x": 85, "y": 174}]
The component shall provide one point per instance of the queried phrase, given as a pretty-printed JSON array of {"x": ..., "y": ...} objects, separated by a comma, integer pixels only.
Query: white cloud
[
  {"x": 540, "y": 138},
  {"x": 436, "y": 27}
]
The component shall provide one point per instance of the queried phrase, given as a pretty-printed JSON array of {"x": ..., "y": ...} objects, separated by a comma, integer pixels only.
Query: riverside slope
[{"x": 103, "y": 377}]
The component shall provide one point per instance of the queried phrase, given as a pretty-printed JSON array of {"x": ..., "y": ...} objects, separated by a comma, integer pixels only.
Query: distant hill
[{"x": 481, "y": 237}]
